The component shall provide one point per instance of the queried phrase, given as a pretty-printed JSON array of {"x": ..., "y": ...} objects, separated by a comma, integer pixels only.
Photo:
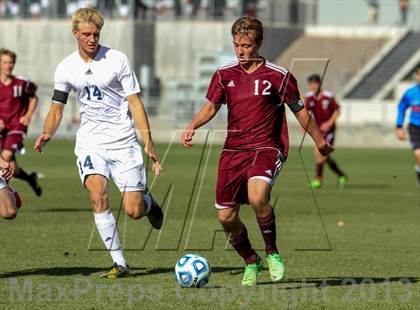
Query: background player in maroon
[
  {"x": 18, "y": 102},
  {"x": 256, "y": 146},
  {"x": 325, "y": 110}
]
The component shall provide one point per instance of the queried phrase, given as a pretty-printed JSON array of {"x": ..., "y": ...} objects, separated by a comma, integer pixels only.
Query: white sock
[
  {"x": 148, "y": 203},
  {"x": 107, "y": 228}
]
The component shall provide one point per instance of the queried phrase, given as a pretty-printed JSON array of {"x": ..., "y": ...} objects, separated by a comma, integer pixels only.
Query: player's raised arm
[
  {"x": 136, "y": 107},
  {"x": 308, "y": 123},
  {"x": 52, "y": 122},
  {"x": 207, "y": 112}
]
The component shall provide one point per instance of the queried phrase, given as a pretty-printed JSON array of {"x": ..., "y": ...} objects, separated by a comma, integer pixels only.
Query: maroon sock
[
  {"x": 242, "y": 245},
  {"x": 268, "y": 229},
  {"x": 319, "y": 171}
]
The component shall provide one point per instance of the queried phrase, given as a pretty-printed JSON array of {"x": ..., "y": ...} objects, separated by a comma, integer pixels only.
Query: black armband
[
  {"x": 296, "y": 106},
  {"x": 60, "y": 96}
]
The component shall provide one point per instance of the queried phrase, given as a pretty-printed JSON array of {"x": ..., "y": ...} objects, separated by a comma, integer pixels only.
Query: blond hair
[
  {"x": 87, "y": 15},
  {"x": 248, "y": 25},
  {"x": 4, "y": 51}
]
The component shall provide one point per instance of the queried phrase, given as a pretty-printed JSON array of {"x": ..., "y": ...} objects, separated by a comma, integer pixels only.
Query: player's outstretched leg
[
  {"x": 342, "y": 178},
  {"x": 238, "y": 238},
  {"x": 258, "y": 196},
  {"x": 107, "y": 228},
  {"x": 275, "y": 263},
  {"x": 106, "y": 225}
]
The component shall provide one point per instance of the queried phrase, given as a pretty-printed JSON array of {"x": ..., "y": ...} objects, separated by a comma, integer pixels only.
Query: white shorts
[
  {"x": 3, "y": 183},
  {"x": 125, "y": 166}
]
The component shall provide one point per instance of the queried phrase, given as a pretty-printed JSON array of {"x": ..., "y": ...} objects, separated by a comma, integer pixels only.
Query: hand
[
  {"x": 325, "y": 149},
  {"x": 2, "y": 124},
  {"x": 25, "y": 120},
  {"x": 150, "y": 150},
  {"x": 186, "y": 137},
  {"x": 42, "y": 140},
  {"x": 400, "y": 132},
  {"x": 325, "y": 127},
  {"x": 6, "y": 170}
]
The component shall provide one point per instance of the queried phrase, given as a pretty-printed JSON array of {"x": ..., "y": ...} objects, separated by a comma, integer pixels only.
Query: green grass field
[{"x": 368, "y": 256}]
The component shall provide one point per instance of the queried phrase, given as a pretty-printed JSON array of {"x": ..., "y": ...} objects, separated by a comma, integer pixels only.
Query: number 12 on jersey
[
  {"x": 96, "y": 92},
  {"x": 266, "y": 91}
]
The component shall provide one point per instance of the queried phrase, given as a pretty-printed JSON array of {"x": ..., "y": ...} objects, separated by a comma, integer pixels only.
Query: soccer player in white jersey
[{"x": 106, "y": 143}]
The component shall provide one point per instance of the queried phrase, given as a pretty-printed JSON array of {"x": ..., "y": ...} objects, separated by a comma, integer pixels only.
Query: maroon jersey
[
  {"x": 14, "y": 101},
  {"x": 255, "y": 102},
  {"x": 322, "y": 107}
]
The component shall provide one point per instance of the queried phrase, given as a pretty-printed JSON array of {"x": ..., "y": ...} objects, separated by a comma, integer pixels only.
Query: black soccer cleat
[
  {"x": 155, "y": 215},
  {"x": 33, "y": 182}
]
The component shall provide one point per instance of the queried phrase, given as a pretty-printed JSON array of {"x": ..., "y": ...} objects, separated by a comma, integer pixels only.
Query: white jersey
[{"x": 101, "y": 87}]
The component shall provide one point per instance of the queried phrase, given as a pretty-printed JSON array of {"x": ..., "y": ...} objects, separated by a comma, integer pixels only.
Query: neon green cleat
[
  {"x": 116, "y": 271},
  {"x": 275, "y": 266},
  {"x": 342, "y": 181},
  {"x": 316, "y": 183},
  {"x": 252, "y": 271}
]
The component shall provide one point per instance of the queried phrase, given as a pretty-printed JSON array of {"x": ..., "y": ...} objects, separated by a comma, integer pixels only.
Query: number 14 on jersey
[{"x": 93, "y": 91}]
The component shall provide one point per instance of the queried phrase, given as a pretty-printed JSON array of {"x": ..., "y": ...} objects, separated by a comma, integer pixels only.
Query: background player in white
[{"x": 106, "y": 143}]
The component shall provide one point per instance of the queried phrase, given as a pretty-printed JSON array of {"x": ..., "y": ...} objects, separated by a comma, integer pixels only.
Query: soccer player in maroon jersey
[
  {"x": 256, "y": 93},
  {"x": 325, "y": 110},
  {"x": 18, "y": 102}
]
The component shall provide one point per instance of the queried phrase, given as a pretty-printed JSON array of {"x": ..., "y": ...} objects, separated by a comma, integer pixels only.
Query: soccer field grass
[{"x": 368, "y": 256}]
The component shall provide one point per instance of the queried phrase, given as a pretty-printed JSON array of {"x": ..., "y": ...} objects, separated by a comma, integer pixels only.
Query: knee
[
  {"x": 258, "y": 201},
  {"x": 134, "y": 210},
  {"x": 99, "y": 201},
  {"x": 226, "y": 219},
  {"x": 9, "y": 211},
  {"x": 11, "y": 215}
]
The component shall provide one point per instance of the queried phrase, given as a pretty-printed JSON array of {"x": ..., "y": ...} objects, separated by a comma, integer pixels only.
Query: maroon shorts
[
  {"x": 12, "y": 141},
  {"x": 237, "y": 167}
]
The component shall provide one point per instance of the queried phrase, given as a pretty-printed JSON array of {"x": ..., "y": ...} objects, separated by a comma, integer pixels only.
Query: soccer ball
[{"x": 192, "y": 270}]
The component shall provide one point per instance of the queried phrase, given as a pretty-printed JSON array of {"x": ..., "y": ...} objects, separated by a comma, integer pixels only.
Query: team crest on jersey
[{"x": 231, "y": 84}]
